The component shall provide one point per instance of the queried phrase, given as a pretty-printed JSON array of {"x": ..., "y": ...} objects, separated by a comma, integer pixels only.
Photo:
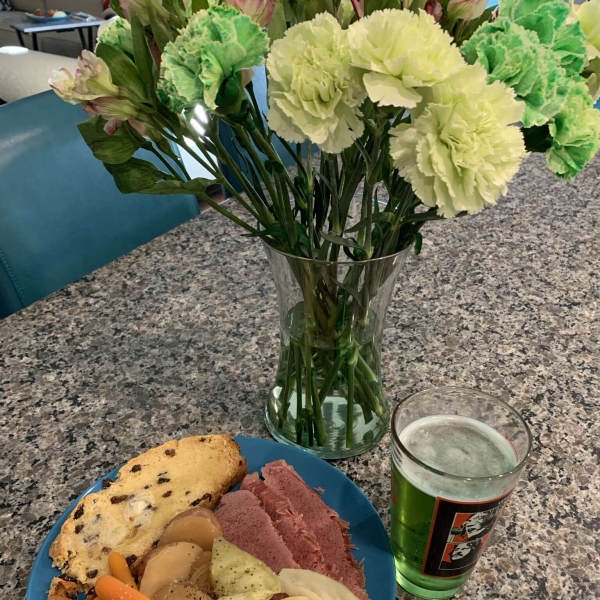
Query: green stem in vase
[
  {"x": 350, "y": 407},
  {"x": 298, "y": 356},
  {"x": 286, "y": 391},
  {"x": 308, "y": 378}
]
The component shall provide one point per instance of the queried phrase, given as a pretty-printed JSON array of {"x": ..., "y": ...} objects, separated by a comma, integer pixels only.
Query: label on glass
[{"x": 459, "y": 534}]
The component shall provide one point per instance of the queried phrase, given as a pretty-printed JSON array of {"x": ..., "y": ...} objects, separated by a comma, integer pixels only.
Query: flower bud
[
  {"x": 466, "y": 9},
  {"x": 260, "y": 11},
  {"x": 434, "y": 8}
]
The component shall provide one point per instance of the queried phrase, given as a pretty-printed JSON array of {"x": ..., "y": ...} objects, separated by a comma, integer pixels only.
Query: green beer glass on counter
[{"x": 456, "y": 457}]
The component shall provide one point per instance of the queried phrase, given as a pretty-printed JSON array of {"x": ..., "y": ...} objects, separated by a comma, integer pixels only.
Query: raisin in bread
[{"x": 130, "y": 515}]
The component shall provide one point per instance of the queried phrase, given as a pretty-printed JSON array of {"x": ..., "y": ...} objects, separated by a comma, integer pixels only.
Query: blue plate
[
  {"x": 366, "y": 528},
  {"x": 45, "y": 20}
]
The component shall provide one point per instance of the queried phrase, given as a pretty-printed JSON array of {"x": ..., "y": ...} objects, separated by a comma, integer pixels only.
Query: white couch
[{"x": 65, "y": 43}]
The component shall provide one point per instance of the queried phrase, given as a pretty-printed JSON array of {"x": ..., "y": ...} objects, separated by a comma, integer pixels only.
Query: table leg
[
  {"x": 35, "y": 44},
  {"x": 21, "y": 40},
  {"x": 91, "y": 39},
  {"x": 80, "y": 31}
]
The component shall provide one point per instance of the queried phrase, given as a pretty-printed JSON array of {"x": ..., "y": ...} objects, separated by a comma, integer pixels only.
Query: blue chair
[{"x": 61, "y": 215}]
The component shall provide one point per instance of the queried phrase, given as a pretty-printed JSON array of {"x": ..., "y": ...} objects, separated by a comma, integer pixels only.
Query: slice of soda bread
[
  {"x": 130, "y": 514},
  {"x": 62, "y": 590}
]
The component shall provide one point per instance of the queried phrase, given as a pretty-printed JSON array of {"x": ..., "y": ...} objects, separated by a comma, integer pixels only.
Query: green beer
[{"x": 446, "y": 498}]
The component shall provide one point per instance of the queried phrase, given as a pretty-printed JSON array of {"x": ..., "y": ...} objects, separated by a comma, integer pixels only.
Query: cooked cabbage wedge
[
  {"x": 236, "y": 572},
  {"x": 250, "y": 596},
  {"x": 314, "y": 586}
]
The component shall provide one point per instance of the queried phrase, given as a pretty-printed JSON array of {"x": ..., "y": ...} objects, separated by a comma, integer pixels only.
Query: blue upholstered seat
[{"x": 61, "y": 215}]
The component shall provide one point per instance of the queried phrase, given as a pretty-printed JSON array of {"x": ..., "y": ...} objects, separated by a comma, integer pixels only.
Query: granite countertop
[{"x": 180, "y": 338}]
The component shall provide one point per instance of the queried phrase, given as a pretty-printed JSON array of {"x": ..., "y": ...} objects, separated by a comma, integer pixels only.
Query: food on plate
[
  {"x": 200, "y": 576},
  {"x": 179, "y": 591},
  {"x": 198, "y": 525},
  {"x": 62, "y": 590},
  {"x": 301, "y": 542},
  {"x": 172, "y": 563},
  {"x": 234, "y": 571},
  {"x": 330, "y": 531},
  {"x": 119, "y": 569},
  {"x": 110, "y": 588},
  {"x": 131, "y": 514},
  {"x": 246, "y": 524},
  {"x": 49, "y": 14},
  {"x": 300, "y": 582}
]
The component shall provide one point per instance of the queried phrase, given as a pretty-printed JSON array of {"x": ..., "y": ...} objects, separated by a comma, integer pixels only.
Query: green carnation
[
  {"x": 400, "y": 52},
  {"x": 548, "y": 19},
  {"x": 513, "y": 55},
  {"x": 118, "y": 34},
  {"x": 203, "y": 65},
  {"x": 313, "y": 91},
  {"x": 462, "y": 147},
  {"x": 575, "y": 133}
]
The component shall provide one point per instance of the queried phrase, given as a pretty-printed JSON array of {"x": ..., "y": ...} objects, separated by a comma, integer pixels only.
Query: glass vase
[{"x": 328, "y": 397}]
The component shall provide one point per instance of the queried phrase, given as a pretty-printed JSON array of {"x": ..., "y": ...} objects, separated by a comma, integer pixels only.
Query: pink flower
[
  {"x": 113, "y": 110},
  {"x": 466, "y": 9},
  {"x": 260, "y": 11},
  {"x": 434, "y": 8},
  {"x": 91, "y": 80}
]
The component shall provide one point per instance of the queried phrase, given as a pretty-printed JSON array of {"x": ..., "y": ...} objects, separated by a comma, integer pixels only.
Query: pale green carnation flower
[
  {"x": 118, "y": 34},
  {"x": 515, "y": 56},
  {"x": 549, "y": 20},
  {"x": 214, "y": 47},
  {"x": 575, "y": 133},
  {"x": 313, "y": 92},
  {"x": 589, "y": 19},
  {"x": 400, "y": 51},
  {"x": 462, "y": 148}
]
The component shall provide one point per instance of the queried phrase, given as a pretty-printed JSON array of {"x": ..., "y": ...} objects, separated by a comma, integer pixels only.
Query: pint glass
[{"x": 456, "y": 457}]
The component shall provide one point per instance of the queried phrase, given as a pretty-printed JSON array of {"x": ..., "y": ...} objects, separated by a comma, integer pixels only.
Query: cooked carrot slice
[
  {"x": 110, "y": 588},
  {"x": 120, "y": 569}
]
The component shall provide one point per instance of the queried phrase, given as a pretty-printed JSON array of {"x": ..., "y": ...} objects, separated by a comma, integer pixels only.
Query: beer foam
[{"x": 459, "y": 446}]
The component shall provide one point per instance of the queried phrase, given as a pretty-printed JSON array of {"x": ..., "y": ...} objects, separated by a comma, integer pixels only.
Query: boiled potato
[
  {"x": 299, "y": 582},
  {"x": 178, "y": 591},
  {"x": 200, "y": 575},
  {"x": 168, "y": 564},
  {"x": 198, "y": 526},
  {"x": 234, "y": 571}
]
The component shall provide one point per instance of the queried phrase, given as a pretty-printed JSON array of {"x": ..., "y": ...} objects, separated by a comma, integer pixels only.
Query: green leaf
[
  {"x": 378, "y": 217},
  {"x": 372, "y": 5},
  {"x": 116, "y": 6},
  {"x": 117, "y": 148},
  {"x": 92, "y": 130},
  {"x": 173, "y": 186},
  {"x": 141, "y": 54},
  {"x": 135, "y": 175},
  {"x": 123, "y": 71},
  {"x": 199, "y": 5},
  {"x": 161, "y": 32},
  {"x": 334, "y": 239},
  {"x": 277, "y": 26}
]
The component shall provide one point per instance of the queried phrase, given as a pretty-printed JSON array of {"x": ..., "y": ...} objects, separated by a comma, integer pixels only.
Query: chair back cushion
[{"x": 61, "y": 215}]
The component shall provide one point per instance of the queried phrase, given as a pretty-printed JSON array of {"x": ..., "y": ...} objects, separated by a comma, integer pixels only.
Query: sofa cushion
[
  {"x": 92, "y": 7},
  {"x": 28, "y": 5}
]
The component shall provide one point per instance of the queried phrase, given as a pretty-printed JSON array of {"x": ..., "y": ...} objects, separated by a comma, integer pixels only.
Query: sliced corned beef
[
  {"x": 246, "y": 524},
  {"x": 289, "y": 522},
  {"x": 330, "y": 531}
]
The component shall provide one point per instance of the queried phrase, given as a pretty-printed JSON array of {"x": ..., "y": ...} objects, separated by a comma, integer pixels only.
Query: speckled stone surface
[{"x": 180, "y": 337}]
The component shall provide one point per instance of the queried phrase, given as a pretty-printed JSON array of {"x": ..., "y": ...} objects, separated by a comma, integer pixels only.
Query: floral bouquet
[{"x": 394, "y": 112}]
